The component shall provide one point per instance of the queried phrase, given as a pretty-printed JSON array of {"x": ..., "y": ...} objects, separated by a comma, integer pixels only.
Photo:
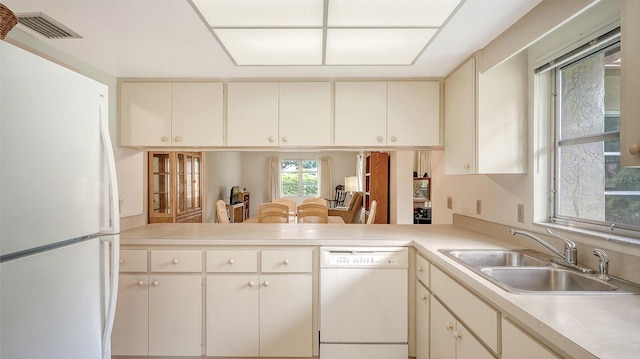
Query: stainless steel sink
[
  {"x": 498, "y": 258},
  {"x": 524, "y": 271}
]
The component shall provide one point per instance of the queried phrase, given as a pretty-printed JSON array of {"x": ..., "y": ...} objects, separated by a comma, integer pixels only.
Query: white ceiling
[{"x": 167, "y": 39}]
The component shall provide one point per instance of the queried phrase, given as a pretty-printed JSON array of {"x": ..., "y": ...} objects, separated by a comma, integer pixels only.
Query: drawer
[
  {"x": 232, "y": 260},
  {"x": 176, "y": 260},
  {"x": 422, "y": 270},
  {"x": 477, "y": 315},
  {"x": 133, "y": 260},
  {"x": 292, "y": 260}
]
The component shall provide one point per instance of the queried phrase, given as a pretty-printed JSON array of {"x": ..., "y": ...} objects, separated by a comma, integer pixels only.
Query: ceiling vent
[{"x": 46, "y": 26}]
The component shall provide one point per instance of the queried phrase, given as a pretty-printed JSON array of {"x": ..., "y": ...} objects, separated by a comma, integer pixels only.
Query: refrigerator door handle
[{"x": 112, "y": 230}]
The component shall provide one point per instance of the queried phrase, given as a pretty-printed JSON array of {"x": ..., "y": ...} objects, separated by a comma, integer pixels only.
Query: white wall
[{"x": 401, "y": 187}]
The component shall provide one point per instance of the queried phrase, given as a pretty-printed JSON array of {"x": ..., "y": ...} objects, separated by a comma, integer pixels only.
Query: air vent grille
[{"x": 46, "y": 26}]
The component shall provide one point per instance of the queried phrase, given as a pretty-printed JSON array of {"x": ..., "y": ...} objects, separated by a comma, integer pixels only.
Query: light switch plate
[
  {"x": 521, "y": 213},
  {"x": 450, "y": 202},
  {"x": 478, "y": 207}
]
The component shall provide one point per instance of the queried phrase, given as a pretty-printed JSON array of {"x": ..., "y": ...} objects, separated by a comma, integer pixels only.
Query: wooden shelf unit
[
  {"x": 376, "y": 185},
  {"x": 176, "y": 191}
]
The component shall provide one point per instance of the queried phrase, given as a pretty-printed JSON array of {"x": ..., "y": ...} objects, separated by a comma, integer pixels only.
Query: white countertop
[{"x": 591, "y": 326}]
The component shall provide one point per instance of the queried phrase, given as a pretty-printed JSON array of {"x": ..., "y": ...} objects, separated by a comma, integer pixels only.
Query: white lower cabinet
[
  {"x": 267, "y": 313},
  {"x": 450, "y": 339},
  {"x": 131, "y": 327},
  {"x": 423, "y": 297},
  {"x": 516, "y": 344}
]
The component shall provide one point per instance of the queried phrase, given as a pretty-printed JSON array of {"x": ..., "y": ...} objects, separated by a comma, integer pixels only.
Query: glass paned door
[
  {"x": 161, "y": 182},
  {"x": 180, "y": 182}
]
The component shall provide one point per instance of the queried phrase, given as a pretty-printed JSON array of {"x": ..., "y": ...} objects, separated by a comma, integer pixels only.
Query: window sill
[{"x": 628, "y": 238}]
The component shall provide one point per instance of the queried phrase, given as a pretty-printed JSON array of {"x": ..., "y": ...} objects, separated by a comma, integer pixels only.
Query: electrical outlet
[
  {"x": 478, "y": 207},
  {"x": 450, "y": 202},
  {"x": 521, "y": 213}
]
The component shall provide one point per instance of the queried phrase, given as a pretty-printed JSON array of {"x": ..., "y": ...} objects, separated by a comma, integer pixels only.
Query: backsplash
[{"x": 625, "y": 265}]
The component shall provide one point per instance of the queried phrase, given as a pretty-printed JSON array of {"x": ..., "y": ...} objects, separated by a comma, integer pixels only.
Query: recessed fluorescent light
[
  {"x": 375, "y": 46},
  {"x": 261, "y": 13},
  {"x": 386, "y": 13},
  {"x": 273, "y": 46}
]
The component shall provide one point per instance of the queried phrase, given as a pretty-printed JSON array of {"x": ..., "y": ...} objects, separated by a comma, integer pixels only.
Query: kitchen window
[
  {"x": 299, "y": 178},
  {"x": 591, "y": 189}
]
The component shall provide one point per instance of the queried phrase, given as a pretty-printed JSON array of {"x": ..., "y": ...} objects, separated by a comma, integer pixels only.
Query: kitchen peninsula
[{"x": 567, "y": 326}]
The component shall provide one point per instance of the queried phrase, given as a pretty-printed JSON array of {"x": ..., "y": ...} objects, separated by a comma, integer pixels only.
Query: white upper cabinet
[
  {"x": 459, "y": 120},
  {"x": 160, "y": 114},
  {"x": 305, "y": 114},
  {"x": 486, "y": 118},
  {"x": 252, "y": 114},
  {"x": 413, "y": 113},
  {"x": 145, "y": 114},
  {"x": 630, "y": 84},
  {"x": 360, "y": 113}
]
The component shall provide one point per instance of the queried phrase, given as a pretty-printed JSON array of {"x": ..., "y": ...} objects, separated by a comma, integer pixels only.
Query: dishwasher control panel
[{"x": 360, "y": 257}]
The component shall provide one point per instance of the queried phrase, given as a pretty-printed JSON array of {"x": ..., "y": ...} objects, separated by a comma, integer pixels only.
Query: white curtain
[
  {"x": 274, "y": 178},
  {"x": 423, "y": 163},
  {"x": 326, "y": 189},
  {"x": 359, "y": 167}
]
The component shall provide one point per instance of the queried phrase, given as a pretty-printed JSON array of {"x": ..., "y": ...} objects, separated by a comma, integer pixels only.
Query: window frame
[
  {"x": 556, "y": 144},
  {"x": 301, "y": 172}
]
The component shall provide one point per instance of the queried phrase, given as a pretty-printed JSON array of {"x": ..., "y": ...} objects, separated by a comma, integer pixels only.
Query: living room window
[
  {"x": 299, "y": 178},
  {"x": 591, "y": 189}
]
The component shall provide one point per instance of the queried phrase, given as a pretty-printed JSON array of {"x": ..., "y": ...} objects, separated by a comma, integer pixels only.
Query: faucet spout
[{"x": 539, "y": 240}]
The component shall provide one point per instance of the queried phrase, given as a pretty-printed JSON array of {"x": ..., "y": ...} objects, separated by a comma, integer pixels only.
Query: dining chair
[
  {"x": 372, "y": 212},
  {"x": 289, "y": 202},
  {"x": 338, "y": 198},
  {"x": 313, "y": 213},
  {"x": 317, "y": 200},
  {"x": 273, "y": 213},
  {"x": 221, "y": 211}
]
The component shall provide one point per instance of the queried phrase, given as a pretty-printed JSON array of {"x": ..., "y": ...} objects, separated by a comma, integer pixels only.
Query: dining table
[{"x": 292, "y": 219}]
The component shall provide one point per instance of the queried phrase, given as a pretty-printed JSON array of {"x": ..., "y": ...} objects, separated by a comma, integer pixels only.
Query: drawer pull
[
  {"x": 458, "y": 335},
  {"x": 231, "y": 261},
  {"x": 175, "y": 261},
  {"x": 251, "y": 284},
  {"x": 286, "y": 262},
  {"x": 121, "y": 261},
  {"x": 634, "y": 149},
  {"x": 155, "y": 283},
  {"x": 449, "y": 326},
  {"x": 164, "y": 139},
  {"x": 425, "y": 297},
  {"x": 266, "y": 283},
  {"x": 140, "y": 283},
  {"x": 420, "y": 269}
]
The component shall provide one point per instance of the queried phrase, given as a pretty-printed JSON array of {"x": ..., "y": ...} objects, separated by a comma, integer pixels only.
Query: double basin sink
[{"x": 524, "y": 271}]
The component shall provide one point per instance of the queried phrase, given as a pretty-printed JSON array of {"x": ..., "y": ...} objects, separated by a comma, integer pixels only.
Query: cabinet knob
[
  {"x": 155, "y": 283},
  {"x": 178, "y": 139},
  {"x": 467, "y": 166},
  {"x": 140, "y": 283},
  {"x": 393, "y": 138},
  {"x": 251, "y": 284},
  {"x": 284, "y": 139},
  {"x": 271, "y": 139},
  {"x": 425, "y": 298},
  {"x": 121, "y": 261},
  {"x": 175, "y": 261},
  {"x": 164, "y": 139},
  {"x": 420, "y": 269},
  {"x": 458, "y": 335},
  {"x": 380, "y": 138},
  {"x": 231, "y": 261},
  {"x": 286, "y": 262},
  {"x": 266, "y": 283},
  {"x": 634, "y": 149},
  {"x": 449, "y": 326}
]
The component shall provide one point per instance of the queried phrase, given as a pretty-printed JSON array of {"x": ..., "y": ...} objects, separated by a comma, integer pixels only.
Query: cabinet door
[
  {"x": 131, "y": 327},
  {"x": 468, "y": 347},
  {"x": 422, "y": 321},
  {"x": 630, "y": 84},
  {"x": 443, "y": 344},
  {"x": 285, "y": 315},
  {"x": 145, "y": 114},
  {"x": 459, "y": 121},
  {"x": 361, "y": 113},
  {"x": 232, "y": 315},
  {"x": 197, "y": 114},
  {"x": 175, "y": 315},
  {"x": 516, "y": 344},
  {"x": 252, "y": 114},
  {"x": 305, "y": 114},
  {"x": 413, "y": 114}
]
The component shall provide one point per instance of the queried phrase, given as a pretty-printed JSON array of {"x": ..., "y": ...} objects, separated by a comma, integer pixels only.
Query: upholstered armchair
[{"x": 351, "y": 213}]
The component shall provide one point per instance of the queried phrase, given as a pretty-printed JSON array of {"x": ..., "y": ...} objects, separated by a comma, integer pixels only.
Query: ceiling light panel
[
  {"x": 389, "y": 13},
  {"x": 261, "y": 13},
  {"x": 273, "y": 46},
  {"x": 375, "y": 46}
]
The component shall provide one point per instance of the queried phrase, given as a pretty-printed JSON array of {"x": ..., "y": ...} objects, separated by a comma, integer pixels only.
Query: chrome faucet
[
  {"x": 570, "y": 256},
  {"x": 603, "y": 264}
]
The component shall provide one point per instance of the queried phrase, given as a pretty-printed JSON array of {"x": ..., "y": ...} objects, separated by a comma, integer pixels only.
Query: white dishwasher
[{"x": 363, "y": 303}]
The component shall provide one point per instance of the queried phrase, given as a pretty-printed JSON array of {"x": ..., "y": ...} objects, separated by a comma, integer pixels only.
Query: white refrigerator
[{"x": 59, "y": 215}]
